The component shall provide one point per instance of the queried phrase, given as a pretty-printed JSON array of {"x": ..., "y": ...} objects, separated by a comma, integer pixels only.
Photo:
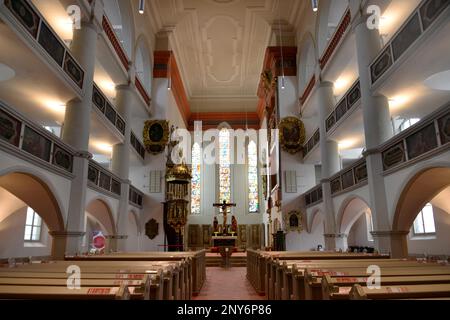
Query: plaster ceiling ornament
[
  {"x": 293, "y": 221},
  {"x": 220, "y": 46},
  {"x": 292, "y": 134},
  {"x": 156, "y": 136}
]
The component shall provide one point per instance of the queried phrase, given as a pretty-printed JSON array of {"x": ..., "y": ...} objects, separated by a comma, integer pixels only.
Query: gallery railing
[
  {"x": 33, "y": 142},
  {"x": 136, "y": 197},
  {"x": 351, "y": 177},
  {"x": 314, "y": 196},
  {"x": 418, "y": 142},
  {"x": 312, "y": 143},
  {"x": 336, "y": 39},
  {"x": 114, "y": 40},
  {"x": 35, "y": 25},
  {"x": 415, "y": 26},
  {"x": 101, "y": 178},
  {"x": 140, "y": 88},
  {"x": 107, "y": 109},
  {"x": 344, "y": 106},
  {"x": 138, "y": 146},
  {"x": 308, "y": 90}
]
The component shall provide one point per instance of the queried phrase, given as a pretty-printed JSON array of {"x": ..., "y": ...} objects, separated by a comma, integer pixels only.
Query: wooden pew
[
  {"x": 423, "y": 291},
  {"x": 194, "y": 274},
  {"x": 257, "y": 264},
  {"x": 53, "y": 292},
  {"x": 331, "y": 285},
  {"x": 139, "y": 289},
  {"x": 161, "y": 275},
  {"x": 292, "y": 279}
]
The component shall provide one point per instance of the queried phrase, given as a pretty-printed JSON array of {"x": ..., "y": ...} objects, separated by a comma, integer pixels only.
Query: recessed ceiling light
[
  {"x": 439, "y": 81},
  {"x": 6, "y": 73}
]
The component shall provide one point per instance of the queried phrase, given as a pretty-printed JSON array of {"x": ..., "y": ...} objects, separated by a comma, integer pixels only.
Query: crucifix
[{"x": 224, "y": 206}]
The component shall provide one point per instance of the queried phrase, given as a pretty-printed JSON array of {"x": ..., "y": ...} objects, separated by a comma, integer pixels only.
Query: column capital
[
  {"x": 125, "y": 87},
  {"x": 117, "y": 237},
  {"x": 335, "y": 235},
  {"x": 67, "y": 234},
  {"x": 84, "y": 154},
  {"x": 325, "y": 180},
  {"x": 326, "y": 84},
  {"x": 382, "y": 234},
  {"x": 370, "y": 152}
]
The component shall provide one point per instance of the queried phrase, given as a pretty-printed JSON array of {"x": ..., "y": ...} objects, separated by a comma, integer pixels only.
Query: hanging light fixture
[
  {"x": 169, "y": 74},
  {"x": 315, "y": 5},
  {"x": 141, "y": 6},
  {"x": 283, "y": 83}
]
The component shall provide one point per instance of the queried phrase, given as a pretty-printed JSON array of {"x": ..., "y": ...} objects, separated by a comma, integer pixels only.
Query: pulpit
[{"x": 279, "y": 241}]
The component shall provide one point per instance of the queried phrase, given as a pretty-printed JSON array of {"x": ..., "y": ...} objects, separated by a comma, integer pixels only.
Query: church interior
[{"x": 150, "y": 149}]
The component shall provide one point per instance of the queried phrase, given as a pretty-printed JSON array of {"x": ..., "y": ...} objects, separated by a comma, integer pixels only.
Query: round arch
[
  {"x": 317, "y": 213},
  {"x": 307, "y": 61},
  {"x": 419, "y": 188},
  {"x": 101, "y": 210},
  {"x": 352, "y": 208},
  {"x": 330, "y": 14},
  {"x": 143, "y": 62},
  {"x": 119, "y": 13},
  {"x": 36, "y": 192}
]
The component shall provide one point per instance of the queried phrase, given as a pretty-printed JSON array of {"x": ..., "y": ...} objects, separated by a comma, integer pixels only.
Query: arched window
[
  {"x": 33, "y": 226},
  {"x": 224, "y": 166},
  {"x": 253, "y": 195},
  {"x": 424, "y": 223},
  {"x": 196, "y": 179}
]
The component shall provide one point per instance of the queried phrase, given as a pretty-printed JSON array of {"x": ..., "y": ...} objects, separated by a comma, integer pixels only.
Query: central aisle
[{"x": 227, "y": 284}]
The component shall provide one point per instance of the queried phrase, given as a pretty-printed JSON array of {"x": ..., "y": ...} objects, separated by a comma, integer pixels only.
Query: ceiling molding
[{"x": 236, "y": 120}]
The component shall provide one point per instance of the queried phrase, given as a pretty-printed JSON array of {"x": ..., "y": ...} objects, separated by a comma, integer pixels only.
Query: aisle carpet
[{"x": 227, "y": 284}]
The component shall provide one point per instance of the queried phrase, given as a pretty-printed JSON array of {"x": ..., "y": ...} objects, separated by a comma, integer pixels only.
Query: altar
[{"x": 224, "y": 241}]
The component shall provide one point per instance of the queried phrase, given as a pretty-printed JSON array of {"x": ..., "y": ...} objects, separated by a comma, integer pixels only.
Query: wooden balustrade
[
  {"x": 103, "y": 178},
  {"x": 412, "y": 29},
  {"x": 336, "y": 39},
  {"x": 107, "y": 109},
  {"x": 136, "y": 197},
  {"x": 30, "y": 19},
  {"x": 142, "y": 91},
  {"x": 113, "y": 39},
  {"x": 34, "y": 142}
]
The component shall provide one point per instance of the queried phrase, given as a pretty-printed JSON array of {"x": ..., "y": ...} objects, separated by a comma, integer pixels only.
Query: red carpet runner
[{"x": 227, "y": 284}]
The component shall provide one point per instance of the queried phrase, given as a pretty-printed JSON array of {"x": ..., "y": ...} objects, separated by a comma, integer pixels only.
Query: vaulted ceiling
[{"x": 220, "y": 46}]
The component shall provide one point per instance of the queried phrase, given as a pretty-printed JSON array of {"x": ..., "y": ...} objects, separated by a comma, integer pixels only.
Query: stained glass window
[
  {"x": 253, "y": 197},
  {"x": 196, "y": 179},
  {"x": 224, "y": 166}
]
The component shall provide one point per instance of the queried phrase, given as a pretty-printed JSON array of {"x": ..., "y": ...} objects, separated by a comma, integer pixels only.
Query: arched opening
[
  {"x": 119, "y": 14},
  {"x": 307, "y": 63},
  {"x": 330, "y": 14},
  {"x": 21, "y": 195},
  {"x": 355, "y": 223},
  {"x": 425, "y": 198},
  {"x": 143, "y": 64},
  {"x": 98, "y": 218}
]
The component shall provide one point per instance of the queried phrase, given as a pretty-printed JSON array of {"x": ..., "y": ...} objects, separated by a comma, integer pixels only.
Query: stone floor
[{"x": 227, "y": 284}]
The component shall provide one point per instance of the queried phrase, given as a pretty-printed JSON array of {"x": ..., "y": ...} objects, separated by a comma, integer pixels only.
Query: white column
[
  {"x": 377, "y": 129},
  {"x": 76, "y": 132},
  {"x": 329, "y": 154},
  {"x": 121, "y": 161}
]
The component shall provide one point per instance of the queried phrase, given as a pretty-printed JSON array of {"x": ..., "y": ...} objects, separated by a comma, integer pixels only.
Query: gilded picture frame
[
  {"x": 156, "y": 136},
  {"x": 292, "y": 134},
  {"x": 293, "y": 221}
]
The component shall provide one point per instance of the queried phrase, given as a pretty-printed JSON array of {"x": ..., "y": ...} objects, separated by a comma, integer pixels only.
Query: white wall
[
  {"x": 12, "y": 231},
  {"x": 307, "y": 241}
]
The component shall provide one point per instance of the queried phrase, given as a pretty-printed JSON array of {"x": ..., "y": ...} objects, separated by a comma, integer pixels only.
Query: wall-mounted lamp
[
  {"x": 315, "y": 5},
  {"x": 141, "y": 6}
]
